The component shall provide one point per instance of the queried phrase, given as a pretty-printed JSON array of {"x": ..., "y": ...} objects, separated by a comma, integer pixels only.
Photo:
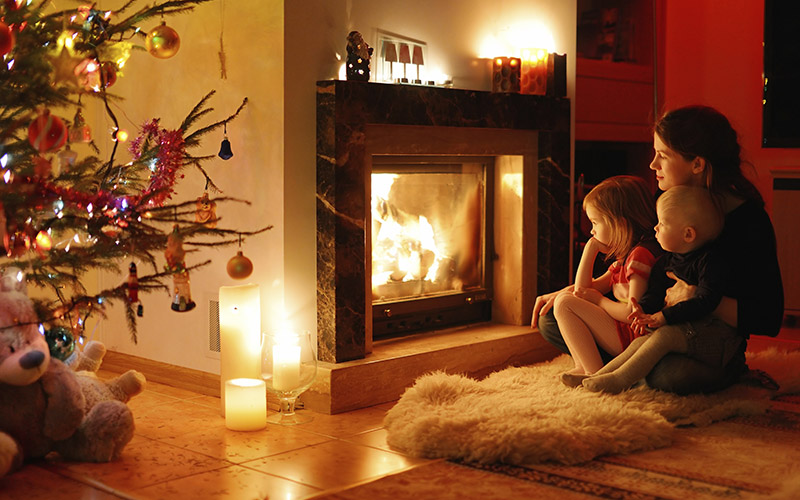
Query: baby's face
[{"x": 670, "y": 231}]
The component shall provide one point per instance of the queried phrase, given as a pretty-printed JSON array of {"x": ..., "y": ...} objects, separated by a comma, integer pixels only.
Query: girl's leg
[
  {"x": 584, "y": 326},
  {"x": 637, "y": 365}
]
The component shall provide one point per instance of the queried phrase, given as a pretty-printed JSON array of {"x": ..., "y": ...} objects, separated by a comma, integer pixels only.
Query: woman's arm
[
  {"x": 681, "y": 291},
  {"x": 544, "y": 303}
]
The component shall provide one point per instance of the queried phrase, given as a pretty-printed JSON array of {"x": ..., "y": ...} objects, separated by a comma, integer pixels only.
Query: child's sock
[
  {"x": 571, "y": 379},
  {"x": 606, "y": 382}
]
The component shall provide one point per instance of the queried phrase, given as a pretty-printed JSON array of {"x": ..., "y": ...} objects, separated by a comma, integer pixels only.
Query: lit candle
[
  {"x": 534, "y": 71},
  {"x": 286, "y": 364},
  {"x": 245, "y": 404},
  {"x": 239, "y": 334}
]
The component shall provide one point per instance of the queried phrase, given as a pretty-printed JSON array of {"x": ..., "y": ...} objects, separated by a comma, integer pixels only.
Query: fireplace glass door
[{"x": 429, "y": 242}]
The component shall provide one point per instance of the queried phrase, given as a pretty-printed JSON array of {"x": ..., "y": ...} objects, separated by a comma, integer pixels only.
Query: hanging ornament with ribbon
[
  {"x": 206, "y": 211},
  {"x": 225, "y": 149},
  {"x": 133, "y": 289},
  {"x": 239, "y": 267},
  {"x": 162, "y": 41}
]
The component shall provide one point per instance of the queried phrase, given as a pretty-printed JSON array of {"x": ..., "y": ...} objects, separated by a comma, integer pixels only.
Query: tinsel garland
[{"x": 169, "y": 159}]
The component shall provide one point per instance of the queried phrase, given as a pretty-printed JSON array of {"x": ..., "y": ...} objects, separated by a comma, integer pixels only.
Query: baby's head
[{"x": 688, "y": 218}]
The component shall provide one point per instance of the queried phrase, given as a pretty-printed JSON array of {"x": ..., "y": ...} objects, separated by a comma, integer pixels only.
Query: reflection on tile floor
[{"x": 183, "y": 450}]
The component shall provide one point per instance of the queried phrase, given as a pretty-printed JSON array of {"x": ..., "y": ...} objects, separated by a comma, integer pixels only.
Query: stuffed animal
[{"x": 46, "y": 406}]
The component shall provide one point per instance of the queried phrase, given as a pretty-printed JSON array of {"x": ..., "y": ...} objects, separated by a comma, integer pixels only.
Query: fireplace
[
  {"x": 511, "y": 153},
  {"x": 429, "y": 242}
]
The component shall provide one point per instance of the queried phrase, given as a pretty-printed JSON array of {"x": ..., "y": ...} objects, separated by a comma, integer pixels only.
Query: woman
[{"x": 697, "y": 146}]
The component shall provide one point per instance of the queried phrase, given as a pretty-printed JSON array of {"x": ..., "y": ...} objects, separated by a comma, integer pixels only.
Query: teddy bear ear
[{"x": 13, "y": 280}]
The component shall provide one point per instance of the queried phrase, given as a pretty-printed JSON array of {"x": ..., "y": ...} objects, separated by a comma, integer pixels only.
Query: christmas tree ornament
[
  {"x": 42, "y": 167},
  {"x": 206, "y": 211},
  {"x": 133, "y": 284},
  {"x": 225, "y": 151},
  {"x": 7, "y": 39},
  {"x": 61, "y": 342},
  {"x": 17, "y": 242},
  {"x": 79, "y": 131},
  {"x": 13, "y": 4},
  {"x": 162, "y": 41},
  {"x": 47, "y": 132},
  {"x": 64, "y": 65},
  {"x": 239, "y": 267},
  {"x": 66, "y": 159},
  {"x": 182, "y": 293}
]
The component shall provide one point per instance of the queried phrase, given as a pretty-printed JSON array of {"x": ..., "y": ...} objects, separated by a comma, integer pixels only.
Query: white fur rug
[{"x": 525, "y": 415}]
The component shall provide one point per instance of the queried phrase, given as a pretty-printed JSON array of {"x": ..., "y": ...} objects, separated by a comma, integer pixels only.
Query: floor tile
[
  {"x": 35, "y": 483},
  {"x": 144, "y": 462},
  {"x": 238, "y": 447},
  {"x": 233, "y": 482},
  {"x": 333, "y": 464},
  {"x": 175, "y": 419},
  {"x": 346, "y": 424}
]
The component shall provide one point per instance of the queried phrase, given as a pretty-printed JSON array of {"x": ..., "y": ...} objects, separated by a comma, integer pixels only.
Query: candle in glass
[
  {"x": 286, "y": 363},
  {"x": 240, "y": 334},
  {"x": 245, "y": 404},
  {"x": 534, "y": 71}
]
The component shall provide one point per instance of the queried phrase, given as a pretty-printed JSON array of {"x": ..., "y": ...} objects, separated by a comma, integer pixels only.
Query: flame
[{"x": 404, "y": 248}]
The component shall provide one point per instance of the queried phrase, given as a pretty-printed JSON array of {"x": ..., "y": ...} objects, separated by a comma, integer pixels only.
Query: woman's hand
[
  {"x": 678, "y": 292},
  {"x": 544, "y": 303},
  {"x": 590, "y": 294}
]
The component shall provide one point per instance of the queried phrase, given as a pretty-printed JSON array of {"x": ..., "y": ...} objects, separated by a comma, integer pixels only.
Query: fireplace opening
[{"x": 430, "y": 239}]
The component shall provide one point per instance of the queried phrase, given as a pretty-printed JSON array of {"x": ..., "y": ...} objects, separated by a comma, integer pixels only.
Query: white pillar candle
[
  {"x": 239, "y": 334},
  {"x": 285, "y": 367},
  {"x": 245, "y": 404}
]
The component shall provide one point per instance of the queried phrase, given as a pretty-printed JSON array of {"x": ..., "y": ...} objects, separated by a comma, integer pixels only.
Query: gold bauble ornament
[
  {"x": 163, "y": 42},
  {"x": 239, "y": 267}
]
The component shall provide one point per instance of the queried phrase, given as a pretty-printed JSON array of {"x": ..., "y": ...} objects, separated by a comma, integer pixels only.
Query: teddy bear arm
[{"x": 65, "y": 401}]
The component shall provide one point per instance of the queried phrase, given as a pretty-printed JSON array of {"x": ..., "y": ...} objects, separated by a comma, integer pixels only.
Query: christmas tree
[{"x": 62, "y": 215}]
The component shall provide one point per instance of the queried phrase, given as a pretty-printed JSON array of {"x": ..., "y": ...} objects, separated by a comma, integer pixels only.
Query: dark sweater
[
  {"x": 747, "y": 256},
  {"x": 704, "y": 268}
]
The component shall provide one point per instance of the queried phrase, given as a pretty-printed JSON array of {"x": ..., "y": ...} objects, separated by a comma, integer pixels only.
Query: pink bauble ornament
[
  {"x": 239, "y": 267},
  {"x": 47, "y": 132},
  {"x": 162, "y": 41}
]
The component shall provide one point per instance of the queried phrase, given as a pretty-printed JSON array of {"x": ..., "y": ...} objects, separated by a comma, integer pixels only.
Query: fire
[{"x": 404, "y": 246}]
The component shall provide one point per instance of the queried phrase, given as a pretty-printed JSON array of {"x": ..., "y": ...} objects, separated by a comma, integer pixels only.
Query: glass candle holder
[{"x": 288, "y": 367}]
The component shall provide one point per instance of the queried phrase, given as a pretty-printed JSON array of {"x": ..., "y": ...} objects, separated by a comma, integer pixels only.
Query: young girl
[{"x": 622, "y": 212}]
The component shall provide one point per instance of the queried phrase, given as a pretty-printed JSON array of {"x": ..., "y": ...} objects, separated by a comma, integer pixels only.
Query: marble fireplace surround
[{"x": 529, "y": 138}]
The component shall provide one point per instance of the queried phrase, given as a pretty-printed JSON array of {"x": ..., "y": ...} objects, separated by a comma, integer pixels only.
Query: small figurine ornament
[
  {"x": 133, "y": 284},
  {"x": 358, "y": 55},
  {"x": 206, "y": 211},
  {"x": 182, "y": 296}
]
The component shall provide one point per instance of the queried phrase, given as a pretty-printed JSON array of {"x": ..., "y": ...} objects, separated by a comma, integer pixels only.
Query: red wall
[{"x": 714, "y": 56}]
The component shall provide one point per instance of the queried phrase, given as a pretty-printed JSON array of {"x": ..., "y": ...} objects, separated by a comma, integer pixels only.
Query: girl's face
[
  {"x": 672, "y": 169},
  {"x": 601, "y": 229}
]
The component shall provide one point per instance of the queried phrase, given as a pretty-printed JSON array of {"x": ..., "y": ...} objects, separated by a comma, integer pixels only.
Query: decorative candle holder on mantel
[{"x": 288, "y": 366}]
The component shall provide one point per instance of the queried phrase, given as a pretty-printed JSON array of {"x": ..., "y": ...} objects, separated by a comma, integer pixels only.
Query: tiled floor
[{"x": 183, "y": 450}]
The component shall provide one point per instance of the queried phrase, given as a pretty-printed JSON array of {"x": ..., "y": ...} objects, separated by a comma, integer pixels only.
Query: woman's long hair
[
  {"x": 702, "y": 131},
  {"x": 627, "y": 204}
]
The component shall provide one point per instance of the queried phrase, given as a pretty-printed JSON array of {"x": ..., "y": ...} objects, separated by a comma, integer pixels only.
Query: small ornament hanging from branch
[{"x": 223, "y": 70}]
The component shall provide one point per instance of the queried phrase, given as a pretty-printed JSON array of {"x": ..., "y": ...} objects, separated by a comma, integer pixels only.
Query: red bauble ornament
[
  {"x": 13, "y": 4},
  {"x": 47, "y": 132},
  {"x": 239, "y": 267},
  {"x": 163, "y": 42},
  {"x": 7, "y": 39}
]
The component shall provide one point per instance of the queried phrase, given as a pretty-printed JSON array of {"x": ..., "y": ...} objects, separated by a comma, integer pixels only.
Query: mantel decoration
[
  {"x": 66, "y": 207},
  {"x": 358, "y": 56}
]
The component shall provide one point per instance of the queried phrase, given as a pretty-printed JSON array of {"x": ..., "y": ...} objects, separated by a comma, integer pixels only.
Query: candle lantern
[
  {"x": 245, "y": 404},
  {"x": 506, "y": 74},
  {"x": 240, "y": 334},
  {"x": 289, "y": 366},
  {"x": 534, "y": 71}
]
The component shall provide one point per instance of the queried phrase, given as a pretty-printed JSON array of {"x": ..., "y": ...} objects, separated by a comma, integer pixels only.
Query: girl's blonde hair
[{"x": 627, "y": 205}]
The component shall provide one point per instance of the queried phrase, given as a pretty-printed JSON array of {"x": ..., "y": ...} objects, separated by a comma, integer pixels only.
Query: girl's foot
[
  {"x": 572, "y": 378},
  {"x": 607, "y": 382}
]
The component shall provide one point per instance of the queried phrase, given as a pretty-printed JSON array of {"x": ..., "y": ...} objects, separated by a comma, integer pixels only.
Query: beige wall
[
  {"x": 276, "y": 51},
  {"x": 168, "y": 89}
]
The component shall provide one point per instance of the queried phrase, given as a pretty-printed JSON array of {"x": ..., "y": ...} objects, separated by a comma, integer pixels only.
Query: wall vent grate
[{"x": 213, "y": 325}]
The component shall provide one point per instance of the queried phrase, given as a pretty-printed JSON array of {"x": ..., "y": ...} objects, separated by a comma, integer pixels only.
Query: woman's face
[{"x": 672, "y": 169}]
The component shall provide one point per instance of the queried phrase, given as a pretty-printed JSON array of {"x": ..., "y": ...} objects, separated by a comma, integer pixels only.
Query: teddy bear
[{"x": 47, "y": 406}]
